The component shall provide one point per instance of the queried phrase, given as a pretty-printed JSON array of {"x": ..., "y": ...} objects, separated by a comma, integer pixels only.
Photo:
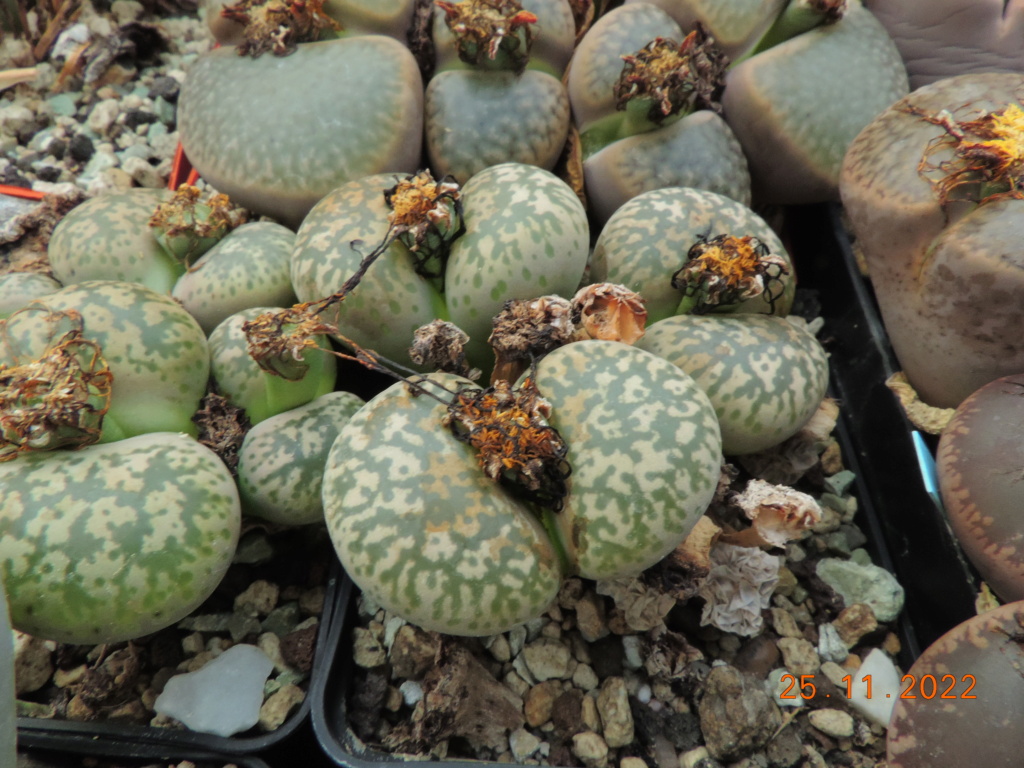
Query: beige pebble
[
  {"x": 33, "y": 665},
  {"x": 590, "y": 748},
  {"x": 832, "y": 722},
  {"x": 279, "y": 705}
]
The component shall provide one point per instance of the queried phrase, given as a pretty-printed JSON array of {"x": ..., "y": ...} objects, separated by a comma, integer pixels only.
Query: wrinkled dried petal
[
  {"x": 608, "y": 311},
  {"x": 441, "y": 345},
  {"x": 525, "y": 330},
  {"x": 738, "y": 588}
]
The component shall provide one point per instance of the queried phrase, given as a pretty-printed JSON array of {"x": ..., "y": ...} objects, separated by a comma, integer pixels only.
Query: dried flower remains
[
  {"x": 675, "y": 77},
  {"x": 507, "y": 427},
  {"x": 483, "y": 28},
  {"x": 278, "y": 26},
  {"x": 60, "y": 398},
  {"x": 725, "y": 270}
]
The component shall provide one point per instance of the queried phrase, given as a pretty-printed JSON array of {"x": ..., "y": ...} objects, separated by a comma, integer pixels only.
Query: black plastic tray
[
  {"x": 907, "y": 533},
  {"x": 70, "y": 755},
  {"x": 154, "y": 742}
]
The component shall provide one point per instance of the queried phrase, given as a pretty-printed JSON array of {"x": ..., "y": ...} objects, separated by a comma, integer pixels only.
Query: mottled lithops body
[
  {"x": 948, "y": 274},
  {"x": 765, "y": 375},
  {"x": 281, "y": 461},
  {"x": 278, "y": 133},
  {"x": 946, "y": 38},
  {"x": 248, "y": 268},
  {"x": 960, "y": 700},
  {"x": 420, "y": 528},
  {"x": 978, "y": 463},
  {"x": 108, "y": 238},
  {"x": 155, "y": 349},
  {"x": 495, "y": 110},
  {"x": 114, "y": 541},
  {"x": 646, "y": 242},
  {"x": 645, "y": 449},
  {"x": 736, "y": 24},
  {"x": 259, "y": 393},
  {"x": 526, "y": 235},
  {"x": 625, "y": 151},
  {"x": 796, "y": 106},
  {"x": 19, "y": 288}
]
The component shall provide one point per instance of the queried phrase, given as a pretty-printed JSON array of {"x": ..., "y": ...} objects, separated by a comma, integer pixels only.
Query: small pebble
[{"x": 832, "y": 722}]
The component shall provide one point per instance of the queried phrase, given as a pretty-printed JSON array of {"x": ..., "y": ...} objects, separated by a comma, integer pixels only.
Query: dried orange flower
[
  {"x": 515, "y": 446},
  {"x": 278, "y": 340},
  {"x": 278, "y": 26},
  {"x": 482, "y": 28},
  {"x": 726, "y": 270},
  {"x": 58, "y": 400},
  {"x": 988, "y": 156},
  {"x": 676, "y": 77},
  {"x": 426, "y": 215}
]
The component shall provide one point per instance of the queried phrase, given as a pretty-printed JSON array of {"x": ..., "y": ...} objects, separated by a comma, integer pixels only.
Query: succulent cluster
[{"x": 546, "y": 194}]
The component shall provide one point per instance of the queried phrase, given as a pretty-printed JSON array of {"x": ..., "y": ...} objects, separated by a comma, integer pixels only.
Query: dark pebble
[
  {"x": 298, "y": 648},
  {"x": 26, "y": 161},
  {"x": 12, "y": 177},
  {"x": 57, "y": 149},
  {"x": 80, "y": 148},
  {"x": 133, "y": 118},
  {"x": 166, "y": 88},
  {"x": 50, "y": 173}
]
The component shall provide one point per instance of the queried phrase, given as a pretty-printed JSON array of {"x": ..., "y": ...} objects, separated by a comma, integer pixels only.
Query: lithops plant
[
  {"x": 114, "y": 541},
  {"x": 647, "y": 244},
  {"x": 933, "y": 188},
  {"x": 611, "y": 456},
  {"x": 19, "y": 288},
  {"x": 946, "y": 38},
  {"x": 281, "y": 461},
  {"x": 366, "y": 17},
  {"x": 240, "y": 380},
  {"x": 525, "y": 234},
  {"x": 247, "y": 268},
  {"x": 960, "y": 701},
  {"x": 494, "y": 97},
  {"x": 278, "y": 132},
  {"x": 652, "y": 119},
  {"x": 788, "y": 63},
  {"x": 765, "y": 375},
  {"x": 153, "y": 350},
  {"x": 148, "y": 236},
  {"x": 978, "y": 463}
]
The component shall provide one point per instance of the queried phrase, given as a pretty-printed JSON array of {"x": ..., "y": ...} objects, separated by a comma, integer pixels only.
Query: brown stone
[
  {"x": 412, "y": 652},
  {"x": 854, "y": 622},
  {"x": 299, "y": 647},
  {"x": 567, "y": 713},
  {"x": 539, "y": 702}
]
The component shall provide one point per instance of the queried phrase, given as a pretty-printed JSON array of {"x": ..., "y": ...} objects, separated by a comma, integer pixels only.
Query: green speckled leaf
[
  {"x": 645, "y": 452},
  {"x": 527, "y": 235},
  {"x": 260, "y": 394},
  {"x": 19, "y": 288},
  {"x": 478, "y": 119},
  {"x": 391, "y": 301},
  {"x": 698, "y": 151},
  {"x": 765, "y": 375},
  {"x": 420, "y": 528},
  {"x": 248, "y": 268},
  {"x": 114, "y": 541},
  {"x": 108, "y": 238},
  {"x": 155, "y": 349},
  {"x": 646, "y": 241},
  {"x": 278, "y": 133},
  {"x": 281, "y": 461}
]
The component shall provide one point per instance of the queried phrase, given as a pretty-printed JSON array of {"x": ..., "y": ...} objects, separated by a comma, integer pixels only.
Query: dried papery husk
[
  {"x": 738, "y": 588},
  {"x": 778, "y": 514},
  {"x": 927, "y": 418},
  {"x": 525, "y": 330},
  {"x": 608, "y": 311},
  {"x": 441, "y": 345},
  {"x": 190, "y": 223},
  {"x": 59, "y": 399}
]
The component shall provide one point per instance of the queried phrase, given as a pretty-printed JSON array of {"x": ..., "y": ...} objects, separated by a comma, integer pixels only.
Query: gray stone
[
  {"x": 830, "y": 645},
  {"x": 860, "y": 583},
  {"x": 737, "y": 716}
]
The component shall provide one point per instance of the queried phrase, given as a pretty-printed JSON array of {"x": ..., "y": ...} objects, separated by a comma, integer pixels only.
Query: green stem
[
  {"x": 549, "y": 520},
  {"x": 633, "y": 121},
  {"x": 797, "y": 17}
]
